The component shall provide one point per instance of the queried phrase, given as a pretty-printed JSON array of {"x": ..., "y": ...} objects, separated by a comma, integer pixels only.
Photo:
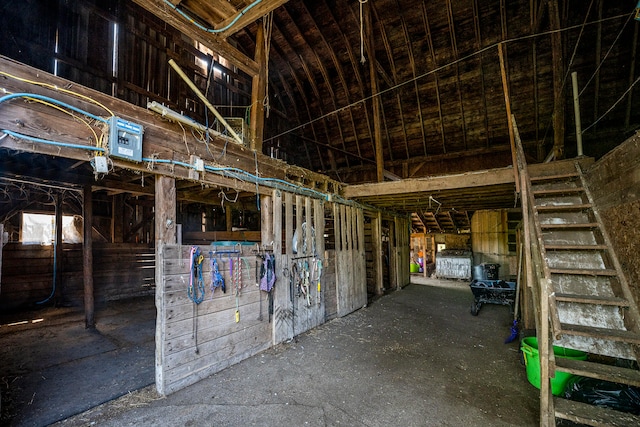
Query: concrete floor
[{"x": 415, "y": 357}]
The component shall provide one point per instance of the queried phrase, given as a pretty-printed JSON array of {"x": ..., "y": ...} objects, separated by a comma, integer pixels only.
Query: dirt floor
[
  {"x": 53, "y": 368},
  {"x": 415, "y": 357}
]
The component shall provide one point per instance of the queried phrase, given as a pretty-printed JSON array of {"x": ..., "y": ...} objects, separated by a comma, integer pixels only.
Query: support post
[
  {"x": 165, "y": 211},
  {"x": 267, "y": 221},
  {"x": 576, "y": 111},
  {"x": 507, "y": 101},
  {"x": 281, "y": 304},
  {"x": 558, "y": 77},
  {"x": 87, "y": 258},
  {"x": 58, "y": 250},
  {"x": 258, "y": 91},
  {"x": 375, "y": 99},
  {"x": 378, "y": 255}
]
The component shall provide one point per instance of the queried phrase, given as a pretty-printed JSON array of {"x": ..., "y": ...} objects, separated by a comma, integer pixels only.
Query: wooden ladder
[{"x": 591, "y": 307}]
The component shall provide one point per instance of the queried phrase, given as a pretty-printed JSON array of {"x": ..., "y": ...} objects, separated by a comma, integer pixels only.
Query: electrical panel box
[{"x": 125, "y": 139}]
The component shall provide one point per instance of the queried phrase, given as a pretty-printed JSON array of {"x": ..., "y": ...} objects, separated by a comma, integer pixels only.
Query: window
[{"x": 39, "y": 229}]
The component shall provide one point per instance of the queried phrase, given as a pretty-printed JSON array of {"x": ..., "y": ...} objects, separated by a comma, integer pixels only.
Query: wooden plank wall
[
  {"x": 294, "y": 313},
  {"x": 351, "y": 279},
  {"x": 194, "y": 341},
  {"x": 614, "y": 181},
  {"x": 402, "y": 251},
  {"x": 121, "y": 271},
  {"x": 490, "y": 240}
]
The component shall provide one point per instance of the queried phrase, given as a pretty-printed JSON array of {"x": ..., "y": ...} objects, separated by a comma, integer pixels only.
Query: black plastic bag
[{"x": 620, "y": 397}]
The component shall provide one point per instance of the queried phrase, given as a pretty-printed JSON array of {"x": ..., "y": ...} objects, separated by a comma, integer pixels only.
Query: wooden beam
[
  {"x": 161, "y": 138},
  {"x": 432, "y": 52},
  {"x": 214, "y": 41},
  {"x": 259, "y": 91},
  {"x": 87, "y": 258},
  {"x": 507, "y": 102},
  {"x": 377, "y": 126},
  {"x": 250, "y": 16},
  {"x": 438, "y": 183},
  {"x": 165, "y": 211},
  {"x": 558, "y": 77}
]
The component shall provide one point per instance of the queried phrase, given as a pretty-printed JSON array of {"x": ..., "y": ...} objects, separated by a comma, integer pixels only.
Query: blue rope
[{"x": 196, "y": 282}]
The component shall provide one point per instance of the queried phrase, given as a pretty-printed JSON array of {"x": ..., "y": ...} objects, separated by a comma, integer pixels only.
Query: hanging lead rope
[
  {"x": 362, "y": 58},
  {"x": 195, "y": 292}
]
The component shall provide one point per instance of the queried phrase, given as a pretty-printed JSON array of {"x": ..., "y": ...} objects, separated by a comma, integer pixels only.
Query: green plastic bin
[{"x": 529, "y": 349}]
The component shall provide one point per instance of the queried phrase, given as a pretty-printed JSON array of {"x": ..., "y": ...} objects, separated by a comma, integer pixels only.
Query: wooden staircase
[{"x": 591, "y": 307}]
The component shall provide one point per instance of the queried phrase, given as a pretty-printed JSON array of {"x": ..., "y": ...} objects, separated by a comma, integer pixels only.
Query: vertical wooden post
[
  {"x": 267, "y": 228},
  {"x": 318, "y": 222},
  {"x": 87, "y": 258},
  {"x": 375, "y": 100},
  {"x": 258, "y": 91},
  {"x": 165, "y": 211},
  {"x": 280, "y": 331},
  {"x": 507, "y": 101},
  {"x": 58, "y": 251},
  {"x": 289, "y": 226},
  {"x": 165, "y": 233},
  {"x": 228, "y": 218},
  {"x": 117, "y": 219},
  {"x": 558, "y": 77},
  {"x": 393, "y": 256},
  {"x": 424, "y": 255},
  {"x": 378, "y": 256}
]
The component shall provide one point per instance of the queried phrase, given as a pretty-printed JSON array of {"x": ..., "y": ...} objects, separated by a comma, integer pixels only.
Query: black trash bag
[{"x": 620, "y": 397}]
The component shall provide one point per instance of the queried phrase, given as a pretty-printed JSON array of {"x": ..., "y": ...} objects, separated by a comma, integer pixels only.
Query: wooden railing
[{"x": 538, "y": 280}]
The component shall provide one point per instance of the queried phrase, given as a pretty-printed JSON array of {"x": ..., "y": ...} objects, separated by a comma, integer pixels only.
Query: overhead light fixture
[{"x": 170, "y": 114}]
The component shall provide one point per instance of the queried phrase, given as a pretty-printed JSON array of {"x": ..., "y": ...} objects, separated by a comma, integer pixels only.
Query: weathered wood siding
[
  {"x": 300, "y": 306},
  {"x": 120, "y": 271},
  {"x": 402, "y": 250},
  {"x": 194, "y": 341},
  {"x": 351, "y": 280},
  {"x": 614, "y": 181},
  {"x": 490, "y": 240}
]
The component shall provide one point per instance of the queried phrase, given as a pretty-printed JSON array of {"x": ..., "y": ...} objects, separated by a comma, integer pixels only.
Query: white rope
[{"x": 362, "y": 58}]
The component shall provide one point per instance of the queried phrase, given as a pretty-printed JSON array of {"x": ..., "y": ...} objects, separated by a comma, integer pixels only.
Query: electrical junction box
[{"x": 125, "y": 139}]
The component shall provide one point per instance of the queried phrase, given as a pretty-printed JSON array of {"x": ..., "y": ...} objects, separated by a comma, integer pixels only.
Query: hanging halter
[
  {"x": 195, "y": 292},
  {"x": 217, "y": 281},
  {"x": 268, "y": 273}
]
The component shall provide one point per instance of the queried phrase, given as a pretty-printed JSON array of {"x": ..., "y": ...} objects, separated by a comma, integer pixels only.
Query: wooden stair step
[
  {"x": 600, "y": 333},
  {"x": 599, "y": 371},
  {"x": 592, "y": 299},
  {"x": 557, "y": 247},
  {"x": 559, "y": 177},
  {"x": 569, "y": 207},
  {"x": 570, "y": 226},
  {"x": 584, "y": 271},
  {"x": 591, "y": 415},
  {"x": 558, "y": 191}
]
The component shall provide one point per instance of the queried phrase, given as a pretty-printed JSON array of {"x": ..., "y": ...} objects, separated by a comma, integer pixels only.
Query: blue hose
[
  {"x": 53, "y": 101},
  {"x": 212, "y": 30}
]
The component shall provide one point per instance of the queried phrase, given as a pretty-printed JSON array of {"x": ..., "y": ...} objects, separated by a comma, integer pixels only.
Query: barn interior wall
[
  {"x": 490, "y": 241},
  {"x": 122, "y": 271},
  {"x": 201, "y": 330},
  {"x": 614, "y": 181}
]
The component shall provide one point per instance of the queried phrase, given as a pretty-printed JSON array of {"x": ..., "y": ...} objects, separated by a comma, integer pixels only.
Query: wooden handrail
[{"x": 538, "y": 279}]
